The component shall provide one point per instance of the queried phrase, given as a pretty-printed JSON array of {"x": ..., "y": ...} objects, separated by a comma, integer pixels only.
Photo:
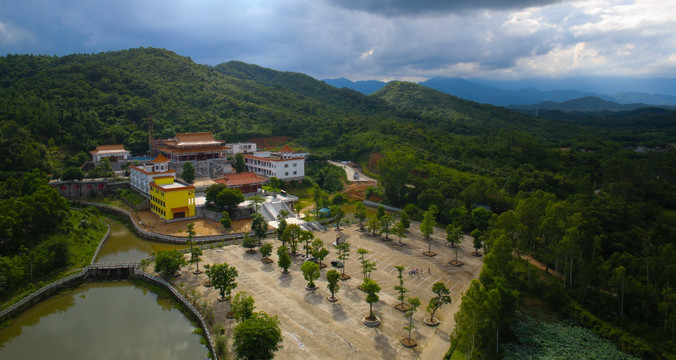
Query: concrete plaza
[{"x": 314, "y": 328}]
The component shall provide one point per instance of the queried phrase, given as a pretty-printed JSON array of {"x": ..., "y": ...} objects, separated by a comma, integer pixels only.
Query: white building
[
  {"x": 241, "y": 148},
  {"x": 140, "y": 176},
  {"x": 112, "y": 152},
  {"x": 284, "y": 165}
]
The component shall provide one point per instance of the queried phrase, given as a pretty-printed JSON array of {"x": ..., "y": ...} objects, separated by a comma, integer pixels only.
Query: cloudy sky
[{"x": 366, "y": 39}]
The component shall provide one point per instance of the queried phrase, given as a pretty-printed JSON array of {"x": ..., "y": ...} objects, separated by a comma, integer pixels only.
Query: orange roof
[
  {"x": 172, "y": 150},
  {"x": 150, "y": 172},
  {"x": 244, "y": 178},
  {"x": 286, "y": 149},
  {"x": 196, "y": 137},
  {"x": 106, "y": 148},
  {"x": 159, "y": 159}
]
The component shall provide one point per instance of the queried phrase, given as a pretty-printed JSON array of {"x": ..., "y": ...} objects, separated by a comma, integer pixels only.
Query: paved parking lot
[{"x": 315, "y": 328}]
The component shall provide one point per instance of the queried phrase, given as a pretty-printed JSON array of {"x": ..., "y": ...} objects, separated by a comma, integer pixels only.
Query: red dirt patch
[{"x": 268, "y": 143}]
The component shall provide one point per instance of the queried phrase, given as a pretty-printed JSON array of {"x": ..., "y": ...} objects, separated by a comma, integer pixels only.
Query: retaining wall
[
  {"x": 386, "y": 207},
  {"x": 162, "y": 237}
]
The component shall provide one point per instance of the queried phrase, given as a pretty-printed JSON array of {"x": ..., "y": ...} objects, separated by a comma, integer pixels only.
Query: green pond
[
  {"x": 124, "y": 245},
  {"x": 106, "y": 320},
  {"x": 110, "y": 320}
]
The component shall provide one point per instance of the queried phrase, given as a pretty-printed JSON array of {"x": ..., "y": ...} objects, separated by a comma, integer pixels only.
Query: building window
[
  {"x": 294, "y": 164},
  {"x": 295, "y": 172},
  {"x": 286, "y": 173},
  {"x": 286, "y": 165}
]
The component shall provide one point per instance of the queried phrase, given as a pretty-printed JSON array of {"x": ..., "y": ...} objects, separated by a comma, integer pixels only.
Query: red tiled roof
[
  {"x": 244, "y": 178},
  {"x": 286, "y": 149},
  {"x": 104, "y": 148},
  {"x": 159, "y": 159}
]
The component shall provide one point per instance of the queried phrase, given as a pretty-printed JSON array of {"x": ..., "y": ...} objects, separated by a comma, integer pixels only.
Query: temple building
[
  {"x": 207, "y": 154},
  {"x": 112, "y": 152},
  {"x": 247, "y": 182}
]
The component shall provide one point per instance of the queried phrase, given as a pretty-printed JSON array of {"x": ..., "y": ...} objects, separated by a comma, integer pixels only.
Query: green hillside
[{"x": 568, "y": 191}]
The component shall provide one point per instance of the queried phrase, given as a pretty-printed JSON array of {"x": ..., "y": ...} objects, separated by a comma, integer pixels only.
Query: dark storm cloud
[
  {"x": 363, "y": 39},
  {"x": 434, "y": 7}
]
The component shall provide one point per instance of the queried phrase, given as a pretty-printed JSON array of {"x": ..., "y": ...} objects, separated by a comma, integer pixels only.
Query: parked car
[
  {"x": 336, "y": 263},
  {"x": 309, "y": 258}
]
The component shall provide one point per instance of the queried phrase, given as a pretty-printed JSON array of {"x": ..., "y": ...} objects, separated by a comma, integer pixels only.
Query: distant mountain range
[{"x": 506, "y": 93}]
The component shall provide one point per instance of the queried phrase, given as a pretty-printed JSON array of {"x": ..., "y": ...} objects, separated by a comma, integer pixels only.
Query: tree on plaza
[
  {"x": 343, "y": 255},
  {"x": 243, "y": 306},
  {"x": 310, "y": 273},
  {"x": 415, "y": 303},
  {"x": 168, "y": 262},
  {"x": 476, "y": 242},
  {"x": 338, "y": 214},
  {"x": 360, "y": 213},
  {"x": 427, "y": 228},
  {"x": 332, "y": 276},
  {"x": 319, "y": 251},
  {"x": 372, "y": 289},
  {"x": 399, "y": 231},
  {"x": 191, "y": 233},
  {"x": 307, "y": 236},
  {"x": 442, "y": 297},
  {"x": 223, "y": 277},
  {"x": 259, "y": 226},
  {"x": 188, "y": 173},
  {"x": 257, "y": 338},
  {"x": 266, "y": 250},
  {"x": 225, "y": 220},
  {"x": 386, "y": 222},
  {"x": 454, "y": 236},
  {"x": 401, "y": 289},
  {"x": 294, "y": 232},
  {"x": 281, "y": 227},
  {"x": 404, "y": 219},
  {"x": 240, "y": 166},
  {"x": 249, "y": 244},
  {"x": 373, "y": 225},
  {"x": 284, "y": 260},
  {"x": 195, "y": 254}
]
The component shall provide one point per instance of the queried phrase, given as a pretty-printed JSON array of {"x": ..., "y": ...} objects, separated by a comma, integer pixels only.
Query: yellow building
[{"x": 170, "y": 199}]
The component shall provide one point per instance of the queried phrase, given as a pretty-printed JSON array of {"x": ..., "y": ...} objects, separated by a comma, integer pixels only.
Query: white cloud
[
  {"x": 364, "y": 40},
  {"x": 10, "y": 34}
]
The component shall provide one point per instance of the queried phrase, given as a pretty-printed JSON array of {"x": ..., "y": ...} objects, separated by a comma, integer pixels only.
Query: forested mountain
[
  {"x": 567, "y": 189},
  {"x": 584, "y": 104}
]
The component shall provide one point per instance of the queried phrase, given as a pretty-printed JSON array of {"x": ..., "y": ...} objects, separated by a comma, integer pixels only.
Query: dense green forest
[{"x": 568, "y": 190}]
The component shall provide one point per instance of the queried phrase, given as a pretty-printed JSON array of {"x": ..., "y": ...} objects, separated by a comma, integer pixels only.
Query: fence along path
[{"x": 163, "y": 237}]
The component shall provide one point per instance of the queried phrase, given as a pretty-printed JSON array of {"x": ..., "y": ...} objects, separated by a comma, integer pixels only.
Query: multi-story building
[
  {"x": 170, "y": 199},
  {"x": 241, "y": 148},
  {"x": 140, "y": 176},
  {"x": 207, "y": 154},
  {"x": 112, "y": 152},
  {"x": 284, "y": 164}
]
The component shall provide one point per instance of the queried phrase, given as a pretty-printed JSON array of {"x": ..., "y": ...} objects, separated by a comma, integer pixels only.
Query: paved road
[{"x": 350, "y": 171}]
